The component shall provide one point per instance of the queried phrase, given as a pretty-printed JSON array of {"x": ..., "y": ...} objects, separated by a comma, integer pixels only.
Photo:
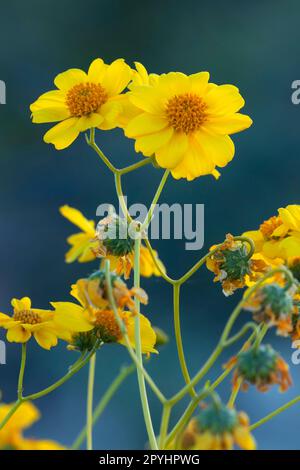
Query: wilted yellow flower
[
  {"x": 279, "y": 236},
  {"x": 85, "y": 247},
  {"x": 261, "y": 366},
  {"x": 186, "y": 121},
  {"x": 233, "y": 266},
  {"x": 95, "y": 308},
  {"x": 82, "y": 101},
  {"x": 218, "y": 427}
]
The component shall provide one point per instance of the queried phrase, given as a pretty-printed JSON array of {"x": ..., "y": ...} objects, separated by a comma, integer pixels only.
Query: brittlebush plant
[{"x": 182, "y": 124}]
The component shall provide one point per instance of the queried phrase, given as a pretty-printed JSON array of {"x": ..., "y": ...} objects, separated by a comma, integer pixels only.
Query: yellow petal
[
  {"x": 148, "y": 335},
  {"x": 290, "y": 216},
  {"x": 148, "y": 99},
  {"x": 145, "y": 124},
  {"x": 89, "y": 121},
  {"x": 244, "y": 438},
  {"x": 116, "y": 78},
  {"x": 149, "y": 144},
  {"x": 70, "y": 316},
  {"x": 228, "y": 124},
  {"x": 224, "y": 99},
  {"x": 18, "y": 335},
  {"x": 69, "y": 78},
  {"x": 96, "y": 71},
  {"x": 196, "y": 162},
  {"x": 45, "y": 338},
  {"x": 77, "y": 218},
  {"x": 218, "y": 148},
  {"x": 63, "y": 134},
  {"x": 21, "y": 304},
  {"x": 110, "y": 112},
  {"x": 198, "y": 82},
  {"x": 170, "y": 155}
]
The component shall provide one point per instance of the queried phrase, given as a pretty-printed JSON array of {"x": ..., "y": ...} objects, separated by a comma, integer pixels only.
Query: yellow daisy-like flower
[
  {"x": 279, "y": 236},
  {"x": 43, "y": 325},
  {"x": 23, "y": 418},
  {"x": 27, "y": 322},
  {"x": 84, "y": 247},
  {"x": 82, "y": 101},
  {"x": 186, "y": 122}
]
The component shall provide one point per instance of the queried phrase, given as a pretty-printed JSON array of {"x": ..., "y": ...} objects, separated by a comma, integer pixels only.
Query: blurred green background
[{"x": 253, "y": 45}]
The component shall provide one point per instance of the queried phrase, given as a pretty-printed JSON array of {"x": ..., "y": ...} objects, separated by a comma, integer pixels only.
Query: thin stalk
[
  {"x": 274, "y": 413},
  {"x": 138, "y": 347},
  {"x": 155, "y": 200},
  {"x": 104, "y": 401},
  {"x": 122, "y": 327},
  {"x": 22, "y": 370},
  {"x": 164, "y": 425},
  {"x": 89, "y": 411},
  {"x": 178, "y": 337}
]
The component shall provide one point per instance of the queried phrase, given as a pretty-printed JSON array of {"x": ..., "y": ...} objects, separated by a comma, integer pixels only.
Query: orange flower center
[
  {"x": 27, "y": 316},
  {"x": 268, "y": 226},
  {"x": 85, "y": 98},
  {"x": 108, "y": 327},
  {"x": 186, "y": 113}
]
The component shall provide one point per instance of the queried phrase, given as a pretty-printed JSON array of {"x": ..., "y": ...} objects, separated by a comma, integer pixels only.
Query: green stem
[
  {"x": 122, "y": 171},
  {"x": 234, "y": 338},
  {"x": 222, "y": 343},
  {"x": 154, "y": 258},
  {"x": 90, "y": 395},
  {"x": 274, "y": 413},
  {"x": 22, "y": 370},
  {"x": 234, "y": 393},
  {"x": 164, "y": 425},
  {"x": 119, "y": 190},
  {"x": 201, "y": 261},
  {"x": 104, "y": 401},
  {"x": 155, "y": 200},
  {"x": 178, "y": 337},
  {"x": 122, "y": 327},
  {"x": 66, "y": 377},
  {"x": 138, "y": 348}
]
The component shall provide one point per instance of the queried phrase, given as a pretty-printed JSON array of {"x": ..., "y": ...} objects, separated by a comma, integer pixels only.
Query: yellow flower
[
  {"x": 279, "y": 236},
  {"x": 82, "y": 101},
  {"x": 43, "y": 325},
  {"x": 84, "y": 247},
  {"x": 83, "y": 243},
  {"x": 95, "y": 309},
  {"x": 27, "y": 321},
  {"x": 186, "y": 121},
  {"x": 24, "y": 417}
]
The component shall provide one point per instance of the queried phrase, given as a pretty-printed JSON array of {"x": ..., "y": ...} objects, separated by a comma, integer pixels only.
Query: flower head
[
  {"x": 86, "y": 246},
  {"x": 232, "y": 265},
  {"x": 279, "y": 236},
  {"x": 26, "y": 322},
  {"x": 261, "y": 367},
  {"x": 273, "y": 305},
  {"x": 218, "y": 427},
  {"x": 185, "y": 121},
  {"x": 82, "y": 101},
  {"x": 95, "y": 308}
]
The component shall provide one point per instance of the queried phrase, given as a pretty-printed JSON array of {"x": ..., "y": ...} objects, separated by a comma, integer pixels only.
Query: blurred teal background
[{"x": 253, "y": 45}]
